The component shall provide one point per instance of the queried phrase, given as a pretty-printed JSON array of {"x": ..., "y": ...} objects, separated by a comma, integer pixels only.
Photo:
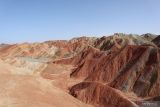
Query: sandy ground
[{"x": 31, "y": 90}]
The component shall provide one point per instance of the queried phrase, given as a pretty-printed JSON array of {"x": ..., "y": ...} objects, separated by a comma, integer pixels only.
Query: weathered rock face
[
  {"x": 122, "y": 69},
  {"x": 141, "y": 74},
  {"x": 134, "y": 69},
  {"x": 100, "y": 95}
]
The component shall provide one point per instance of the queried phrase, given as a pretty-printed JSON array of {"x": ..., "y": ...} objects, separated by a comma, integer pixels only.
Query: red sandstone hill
[
  {"x": 115, "y": 71},
  {"x": 127, "y": 64},
  {"x": 100, "y": 95}
]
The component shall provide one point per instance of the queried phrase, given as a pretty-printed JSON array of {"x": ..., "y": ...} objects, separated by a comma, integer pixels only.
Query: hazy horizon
[{"x": 41, "y": 20}]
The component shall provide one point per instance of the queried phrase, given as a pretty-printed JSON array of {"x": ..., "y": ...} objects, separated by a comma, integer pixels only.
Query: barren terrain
[{"x": 121, "y": 70}]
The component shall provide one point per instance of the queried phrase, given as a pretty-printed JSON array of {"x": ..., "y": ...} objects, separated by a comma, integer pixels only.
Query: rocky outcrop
[
  {"x": 100, "y": 95},
  {"x": 149, "y": 36},
  {"x": 157, "y": 41}
]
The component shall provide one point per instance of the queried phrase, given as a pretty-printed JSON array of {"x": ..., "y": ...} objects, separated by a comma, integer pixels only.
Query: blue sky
[{"x": 40, "y": 20}]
